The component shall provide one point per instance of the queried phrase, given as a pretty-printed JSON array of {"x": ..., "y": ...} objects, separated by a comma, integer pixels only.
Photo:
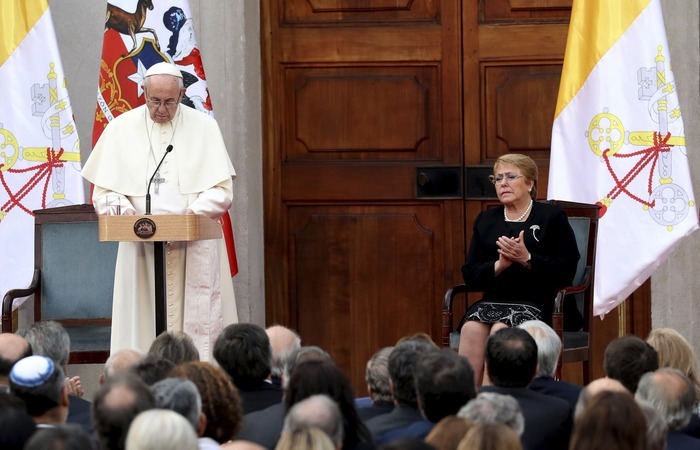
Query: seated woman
[{"x": 520, "y": 255}]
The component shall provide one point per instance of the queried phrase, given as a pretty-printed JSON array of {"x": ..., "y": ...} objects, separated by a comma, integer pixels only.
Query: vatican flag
[
  {"x": 618, "y": 141},
  {"x": 39, "y": 149}
]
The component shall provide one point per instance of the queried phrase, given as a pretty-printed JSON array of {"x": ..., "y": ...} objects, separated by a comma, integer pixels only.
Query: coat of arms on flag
[{"x": 618, "y": 141}]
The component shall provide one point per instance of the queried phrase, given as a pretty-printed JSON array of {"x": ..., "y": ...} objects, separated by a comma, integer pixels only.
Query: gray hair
[
  {"x": 671, "y": 393},
  {"x": 548, "y": 346},
  {"x": 318, "y": 411},
  {"x": 377, "y": 375},
  {"x": 121, "y": 361},
  {"x": 284, "y": 342},
  {"x": 656, "y": 426},
  {"x": 181, "y": 396},
  {"x": 48, "y": 338},
  {"x": 160, "y": 429},
  {"x": 490, "y": 407},
  {"x": 306, "y": 353}
]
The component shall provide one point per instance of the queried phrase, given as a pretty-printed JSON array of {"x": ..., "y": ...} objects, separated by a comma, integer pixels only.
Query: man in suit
[
  {"x": 673, "y": 395},
  {"x": 511, "y": 362},
  {"x": 548, "y": 351},
  {"x": 627, "y": 358},
  {"x": 40, "y": 383},
  {"x": 50, "y": 339},
  {"x": 243, "y": 350},
  {"x": 444, "y": 383},
  {"x": 402, "y": 362},
  {"x": 283, "y": 342},
  {"x": 379, "y": 400}
]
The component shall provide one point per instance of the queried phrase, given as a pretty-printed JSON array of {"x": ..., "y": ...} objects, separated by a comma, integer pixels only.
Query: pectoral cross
[{"x": 157, "y": 180}]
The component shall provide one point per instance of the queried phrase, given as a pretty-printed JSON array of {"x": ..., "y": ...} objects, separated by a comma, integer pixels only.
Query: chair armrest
[
  {"x": 447, "y": 319},
  {"x": 9, "y": 300}
]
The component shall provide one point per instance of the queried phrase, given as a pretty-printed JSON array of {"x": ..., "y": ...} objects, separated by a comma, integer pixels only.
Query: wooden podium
[{"x": 158, "y": 229}]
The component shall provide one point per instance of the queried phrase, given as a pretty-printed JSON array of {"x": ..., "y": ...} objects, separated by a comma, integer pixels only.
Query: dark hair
[
  {"x": 324, "y": 377},
  {"x": 16, "y": 426},
  {"x": 177, "y": 347},
  {"x": 407, "y": 443},
  {"x": 117, "y": 402},
  {"x": 511, "y": 357},
  {"x": 627, "y": 358},
  {"x": 221, "y": 402},
  {"x": 243, "y": 351},
  {"x": 61, "y": 437},
  {"x": 152, "y": 368},
  {"x": 444, "y": 382},
  {"x": 402, "y": 361},
  {"x": 611, "y": 421}
]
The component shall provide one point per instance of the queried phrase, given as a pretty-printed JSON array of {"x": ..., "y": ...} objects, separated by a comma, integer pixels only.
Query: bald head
[
  {"x": 120, "y": 362},
  {"x": 283, "y": 342},
  {"x": 595, "y": 387},
  {"x": 12, "y": 348}
]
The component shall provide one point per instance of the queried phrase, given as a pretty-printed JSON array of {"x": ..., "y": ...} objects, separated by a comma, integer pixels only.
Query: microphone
[{"x": 168, "y": 149}]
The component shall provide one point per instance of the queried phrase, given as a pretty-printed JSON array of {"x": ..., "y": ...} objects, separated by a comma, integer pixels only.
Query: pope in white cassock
[{"x": 196, "y": 177}]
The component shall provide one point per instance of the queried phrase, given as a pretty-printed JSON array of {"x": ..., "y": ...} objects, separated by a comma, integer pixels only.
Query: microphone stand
[{"x": 148, "y": 190}]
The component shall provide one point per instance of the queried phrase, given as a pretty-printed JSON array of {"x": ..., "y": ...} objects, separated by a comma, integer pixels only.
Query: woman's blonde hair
[
  {"x": 675, "y": 352},
  {"x": 310, "y": 438},
  {"x": 448, "y": 432},
  {"x": 527, "y": 166}
]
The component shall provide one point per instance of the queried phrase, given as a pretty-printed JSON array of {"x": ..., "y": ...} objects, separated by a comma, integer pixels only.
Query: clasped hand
[{"x": 512, "y": 250}]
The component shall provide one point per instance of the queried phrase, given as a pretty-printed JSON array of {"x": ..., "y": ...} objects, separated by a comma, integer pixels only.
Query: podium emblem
[{"x": 144, "y": 228}]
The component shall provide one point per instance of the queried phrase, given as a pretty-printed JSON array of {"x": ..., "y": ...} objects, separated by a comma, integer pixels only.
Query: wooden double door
[{"x": 382, "y": 120}]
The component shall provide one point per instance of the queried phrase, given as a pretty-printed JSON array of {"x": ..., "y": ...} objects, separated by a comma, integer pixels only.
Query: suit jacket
[
  {"x": 417, "y": 430},
  {"x": 401, "y": 416},
  {"x": 561, "y": 389},
  {"x": 373, "y": 410},
  {"x": 677, "y": 440},
  {"x": 79, "y": 412},
  {"x": 548, "y": 419},
  {"x": 264, "y": 426},
  {"x": 260, "y": 397}
]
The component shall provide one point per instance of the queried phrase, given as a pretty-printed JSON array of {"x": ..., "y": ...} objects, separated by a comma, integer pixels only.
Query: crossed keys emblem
[
  {"x": 49, "y": 166},
  {"x": 667, "y": 203}
]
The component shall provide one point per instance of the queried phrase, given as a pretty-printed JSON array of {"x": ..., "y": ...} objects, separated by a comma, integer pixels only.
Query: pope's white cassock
[{"x": 197, "y": 175}]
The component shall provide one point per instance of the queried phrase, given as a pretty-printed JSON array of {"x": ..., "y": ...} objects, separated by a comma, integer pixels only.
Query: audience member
[
  {"x": 380, "y": 400},
  {"x": 675, "y": 351},
  {"x": 264, "y": 426},
  {"x": 444, "y": 382},
  {"x": 448, "y": 432},
  {"x": 612, "y": 421},
  {"x": 309, "y": 438},
  {"x": 117, "y": 402},
  {"x": 656, "y": 426},
  {"x": 16, "y": 426},
  {"x": 490, "y": 407},
  {"x": 548, "y": 351},
  {"x": 62, "y": 437},
  {"x": 324, "y": 377},
  {"x": 176, "y": 346},
  {"x": 50, "y": 339},
  {"x": 407, "y": 443},
  {"x": 673, "y": 395},
  {"x": 243, "y": 351},
  {"x": 283, "y": 342},
  {"x": 593, "y": 388},
  {"x": 490, "y": 436},
  {"x": 627, "y": 358},
  {"x": 316, "y": 411},
  {"x": 152, "y": 368},
  {"x": 511, "y": 361},
  {"x": 120, "y": 362},
  {"x": 402, "y": 362},
  {"x": 221, "y": 403},
  {"x": 12, "y": 348},
  {"x": 160, "y": 429},
  {"x": 181, "y": 396},
  {"x": 40, "y": 384}
]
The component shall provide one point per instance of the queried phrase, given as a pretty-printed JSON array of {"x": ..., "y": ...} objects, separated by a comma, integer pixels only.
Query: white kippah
[
  {"x": 32, "y": 371},
  {"x": 164, "y": 68}
]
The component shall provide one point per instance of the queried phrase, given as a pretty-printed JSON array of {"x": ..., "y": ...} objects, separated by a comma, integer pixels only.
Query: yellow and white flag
[
  {"x": 39, "y": 149},
  {"x": 618, "y": 141}
]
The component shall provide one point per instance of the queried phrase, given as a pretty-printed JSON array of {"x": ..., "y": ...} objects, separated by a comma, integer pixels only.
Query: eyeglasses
[
  {"x": 499, "y": 179},
  {"x": 158, "y": 103}
]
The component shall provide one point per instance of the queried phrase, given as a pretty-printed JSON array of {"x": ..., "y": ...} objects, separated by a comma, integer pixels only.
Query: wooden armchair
[
  {"x": 73, "y": 280},
  {"x": 576, "y": 344}
]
